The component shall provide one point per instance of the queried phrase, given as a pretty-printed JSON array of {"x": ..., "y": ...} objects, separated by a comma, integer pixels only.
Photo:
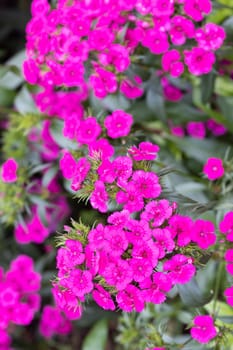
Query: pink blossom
[
  {"x": 117, "y": 55},
  {"x": 99, "y": 197},
  {"x": 181, "y": 29},
  {"x": 131, "y": 198},
  {"x": 118, "y": 124},
  {"x": 181, "y": 227},
  {"x": 80, "y": 282},
  {"x": 130, "y": 299},
  {"x": 216, "y": 128},
  {"x": 68, "y": 165},
  {"x": 229, "y": 295},
  {"x": 196, "y": 9},
  {"x": 199, "y": 61},
  {"x": 203, "y": 330},
  {"x": 163, "y": 7},
  {"x": 213, "y": 168},
  {"x": 103, "y": 298},
  {"x": 181, "y": 268},
  {"x": 146, "y": 183},
  {"x": 31, "y": 71},
  {"x": 123, "y": 168},
  {"x": 154, "y": 288},
  {"x": 155, "y": 41},
  {"x": 196, "y": 129},
  {"x": 132, "y": 88},
  {"x": 101, "y": 149},
  {"x": 157, "y": 212},
  {"x": 53, "y": 322},
  {"x": 118, "y": 274},
  {"x": 171, "y": 92},
  {"x": 88, "y": 130},
  {"x": 229, "y": 260},
  {"x": 116, "y": 241},
  {"x": 103, "y": 82},
  {"x": 210, "y": 37},
  {"x": 97, "y": 236},
  {"x": 119, "y": 219},
  {"x": 146, "y": 251},
  {"x": 203, "y": 233},
  {"x": 163, "y": 241},
  {"x": 82, "y": 168},
  {"x": 9, "y": 171},
  {"x": 171, "y": 63},
  {"x": 137, "y": 230},
  {"x": 106, "y": 171},
  {"x": 177, "y": 131},
  {"x": 226, "y": 225},
  {"x": 142, "y": 268},
  {"x": 145, "y": 151}
]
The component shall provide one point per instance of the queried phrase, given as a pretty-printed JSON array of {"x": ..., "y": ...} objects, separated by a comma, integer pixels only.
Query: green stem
[{"x": 218, "y": 283}]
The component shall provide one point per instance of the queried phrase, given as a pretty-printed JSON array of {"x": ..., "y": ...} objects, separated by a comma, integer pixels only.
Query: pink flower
[
  {"x": 80, "y": 282},
  {"x": 213, "y": 168},
  {"x": 181, "y": 29},
  {"x": 131, "y": 199},
  {"x": 103, "y": 298},
  {"x": 157, "y": 212},
  {"x": 199, "y": 61},
  {"x": 171, "y": 63},
  {"x": 99, "y": 197},
  {"x": 210, "y": 37},
  {"x": 229, "y": 259},
  {"x": 203, "y": 233},
  {"x": 156, "y": 41},
  {"x": 216, "y": 128},
  {"x": 132, "y": 88},
  {"x": 101, "y": 149},
  {"x": 226, "y": 225},
  {"x": 123, "y": 168},
  {"x": 118, "y": 124},
  {"x": 163, "y": 241},
  {"x": 181, "y": 228},
  {"x": 145, "y": 151},
  {"x": 181, "y": 268},
  {"x": 130, "y": 299},
  {"x": 68, "y": 165},
  {"x": 53, "y": 322},
  {"x": 203, "y": 330},
  {"x": 229, "y": 295},
  {"x": 118, "y": 274},
  {"x": 154, "y": 288},
  {"x": 119, "y": 219},
  {"x": 196, "y": 129},
  {"x": 88, "y": 130},
  {"x": 196, "y": 9},
  {"x": 82, "y": 168},
  {"x": 146, "y": 183},
  {"x": 9, "y": 171},
  {"x": 177, "y": 131},
  {"x": 31, "y": 71},
  {"x": 103, "y": 82}
]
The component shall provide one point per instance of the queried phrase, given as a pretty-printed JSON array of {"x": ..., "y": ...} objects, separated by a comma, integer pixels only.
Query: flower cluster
[
  {"x": 53, "y": 322},
  {"x": 136, "y": 257},
  {"x": 19, "y": 298},
  {"x": 63, "y": 40}
]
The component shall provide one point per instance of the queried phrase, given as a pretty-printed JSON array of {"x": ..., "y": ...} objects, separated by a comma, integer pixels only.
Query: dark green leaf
[
  {"x": 97, "y": 337},
  {"x": 192, "y": 295},
  {"x": 207, "y": 87}
]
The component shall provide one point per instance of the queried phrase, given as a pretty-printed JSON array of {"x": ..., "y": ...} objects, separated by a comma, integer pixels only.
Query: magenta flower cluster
[
  {"x": 132, "y": 259},
  {"x": 19, "y": 298}
]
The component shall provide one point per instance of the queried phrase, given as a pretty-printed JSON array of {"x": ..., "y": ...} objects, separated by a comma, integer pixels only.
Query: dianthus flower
[
  {"x": 229, "y": 295},
  {"x": 146, "y": 183},
  {"x": 197, "y": 8},
  {"x": 53, "y": 322},
  {"x": 180, "y": 268},
  {"x": 210, "y": 37},
  {"x": 199, "y": 61},
  {"x": 130, "y": 299},
  {"x": 99, "y": 197},
  {"x": 88, "y": 131},
  {"x": 103, "y": 298},
  {"x": 181, "y": 29},
  {"x": 203, "y": 233},
  {"x": 9, "y": 171},
  {"x": 229, "y": 260},
  {"x": 226, "y": 225},
  {"x": 118, "y": 124},
  {"x": 145, "y": 151},
  {"x": 196, "y": 129},
  {"x": 213, "y": 168},
  {"x": 154, "y": 288},
  {"x": 203, "y": 330},
  {"x": 157, "y": 212},
  {"x": 171, "y": 63}
]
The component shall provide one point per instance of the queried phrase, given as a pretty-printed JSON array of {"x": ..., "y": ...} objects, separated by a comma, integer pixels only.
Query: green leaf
[
  {"x": 224, "y": 86},
  {"x": 11, "y": 79},
  {"x": 96, "y": 339},
  {"x": 207, "y": 87},
  {"x": 192, "y": 295},
  {"x": 225, "y": 103},
  {"x": 201, "y": 149},
  {"x": 24, "y": 102},
  {"x": 6, "y": 97},
  {"x": 155, "y": 101}
]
